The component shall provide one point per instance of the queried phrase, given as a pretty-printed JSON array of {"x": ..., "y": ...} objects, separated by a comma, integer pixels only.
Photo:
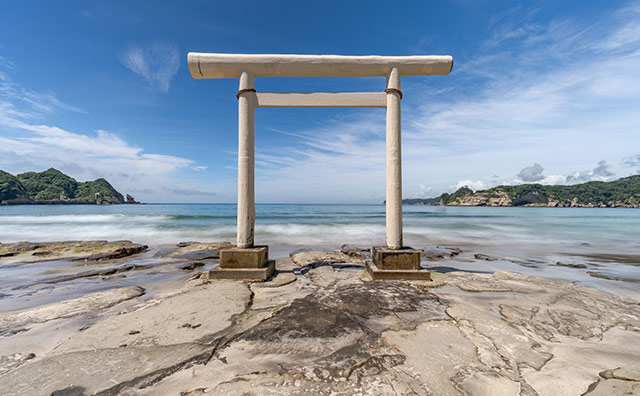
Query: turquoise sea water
[
  {"x": 596, "y": 247},
  {"x": 328, "y": 225}
]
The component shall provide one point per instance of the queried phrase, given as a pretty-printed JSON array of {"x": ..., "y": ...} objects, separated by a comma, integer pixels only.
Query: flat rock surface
[
  {"x": 197, "y": 315},
  {"x": 312, "y": 258},
  {"x": 27, "y": 252},
  {"x": 16, "y": 321},
  {"x": 320, "y": 326},
  {"x": 194, "y": 250}
]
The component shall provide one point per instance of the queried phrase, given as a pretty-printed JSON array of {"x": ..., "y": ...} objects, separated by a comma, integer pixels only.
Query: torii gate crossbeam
[{"x": 394, "y": 261}]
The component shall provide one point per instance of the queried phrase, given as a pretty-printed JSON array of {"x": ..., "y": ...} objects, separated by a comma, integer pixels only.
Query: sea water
[
  {"x": 602, "y": 241},
  {"x": 608, "y": 229}
]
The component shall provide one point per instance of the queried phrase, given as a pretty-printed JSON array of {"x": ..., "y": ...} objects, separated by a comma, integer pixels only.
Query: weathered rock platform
[
  {"x": 321, "y": 326},
  {"x": 29, "y": 252}
]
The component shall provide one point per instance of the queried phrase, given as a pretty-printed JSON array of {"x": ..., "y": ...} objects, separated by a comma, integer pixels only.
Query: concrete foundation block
[
  {"x": 255, "y": 257},
  {"x": 257, "y": 274},
  {"x": 404, "y": 258},
  {"x": 390, "y": 274}
]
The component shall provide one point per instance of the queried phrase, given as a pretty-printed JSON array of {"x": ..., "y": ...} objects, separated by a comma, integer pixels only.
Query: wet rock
[
  {"x": 116, "y": 253},
  {"x": 480, "y": 256},
  {"x": 355, "y": 251},
  {"x": 84, "y": 274},
  {"x": 629, "y": 259},
  {"x": 28, "y": 252},
  {"x": 70, "y": 391},
  {"x": 453, "y": 250},
  {"x": 439, "y": 253},
  {"x": 185, "y": 244},
  {"x": 192, "y": 266},
  {"x": 25, "y": 246},
  {"x": 604, "y": 275},
  {"x": 163, "y": 253},
  {"x": 570, "y": 265},
  {"x": 194, "y": 251}
]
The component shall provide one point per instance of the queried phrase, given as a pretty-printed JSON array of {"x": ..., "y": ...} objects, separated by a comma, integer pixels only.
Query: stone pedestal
[
  {"x": 396, "y": 264},
  {"x": 244, "y": 263}
]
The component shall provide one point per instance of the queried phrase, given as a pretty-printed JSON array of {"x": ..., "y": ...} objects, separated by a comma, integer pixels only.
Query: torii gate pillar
[{"x": 247, "y": 261}]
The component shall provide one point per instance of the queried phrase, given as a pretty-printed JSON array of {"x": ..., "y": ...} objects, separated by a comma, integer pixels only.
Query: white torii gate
[{"x": 248, "y": 261}]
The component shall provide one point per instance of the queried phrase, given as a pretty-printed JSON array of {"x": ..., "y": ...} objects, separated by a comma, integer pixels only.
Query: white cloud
[
  {"x": 600, "y": 173},
  {"x": 157, "y": 63},
  {"x": 531, "y": 173},
  {"x": 474, "y": 185},
  {"x": 27, "y": 144},
  {"x": 633, "y": 162},
  {"x": 14, "y": 97}
]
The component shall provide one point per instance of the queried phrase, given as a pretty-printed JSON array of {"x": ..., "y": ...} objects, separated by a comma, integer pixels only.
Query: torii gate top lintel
[
  {"x": 206, "y": 65},
  {"x": 246, "y": 67}
]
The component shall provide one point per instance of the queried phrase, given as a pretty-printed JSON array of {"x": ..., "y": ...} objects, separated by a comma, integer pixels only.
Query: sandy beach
[{"x": 120, "y": 318}]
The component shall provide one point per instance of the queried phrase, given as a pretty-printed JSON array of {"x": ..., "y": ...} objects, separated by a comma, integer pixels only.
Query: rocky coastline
[
  {"x": 501, "y": 198},
  {"x": 622, "y": 193},
  {"x": 318, "y": 326}
]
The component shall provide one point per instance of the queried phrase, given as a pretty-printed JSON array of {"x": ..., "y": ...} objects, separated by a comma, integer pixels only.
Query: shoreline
[{"x": 150, "y": 322}]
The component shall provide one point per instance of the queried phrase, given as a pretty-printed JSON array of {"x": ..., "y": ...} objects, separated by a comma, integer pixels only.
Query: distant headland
[
  {"x": 54, "y": 187},
  {"x": 621, "y": 193}
]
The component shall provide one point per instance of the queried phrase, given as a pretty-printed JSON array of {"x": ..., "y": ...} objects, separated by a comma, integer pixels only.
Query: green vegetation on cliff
[
  {"x": 621, "y": 192},
  {"x": 11, "y": 188},
  {"x": 87, "y": 191},
  {"x": 461, "y": 192},
  {"x": 54, "y": 186},
  {"x": 48, "y": 185}
]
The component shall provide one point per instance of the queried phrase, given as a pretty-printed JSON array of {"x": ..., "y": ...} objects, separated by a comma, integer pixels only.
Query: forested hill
[
  {"x": 624, "y": 192},
  {"x": 54, "y": 187}
]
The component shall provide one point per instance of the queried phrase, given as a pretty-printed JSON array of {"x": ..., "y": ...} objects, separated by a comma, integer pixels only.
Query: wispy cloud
[
  {"x": 157, "y": 63},
  {"x": 25, "y": 102},
  {"x": 186, "y": 192},
  {"x": 475, "y": 185},
  {"x": 633, "y": 162},
  {"x": 558, "y": 92},
  {"x": 28, "y": 143},
  {"x": 601, "y": 173}
]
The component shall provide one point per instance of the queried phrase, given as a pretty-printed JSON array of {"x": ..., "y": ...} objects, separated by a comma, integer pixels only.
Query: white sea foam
[{"x": 305, "y": 225}]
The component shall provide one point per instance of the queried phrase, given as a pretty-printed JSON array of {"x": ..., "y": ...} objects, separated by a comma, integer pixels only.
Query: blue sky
[{"x": 543, "y": 92}]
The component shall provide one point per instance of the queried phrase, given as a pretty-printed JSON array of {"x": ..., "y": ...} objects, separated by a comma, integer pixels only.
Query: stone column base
[
  {"x": 396, "y": 264},
  {"x": 244, "y": 263},
  {"x": 256, "y": 274}
]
